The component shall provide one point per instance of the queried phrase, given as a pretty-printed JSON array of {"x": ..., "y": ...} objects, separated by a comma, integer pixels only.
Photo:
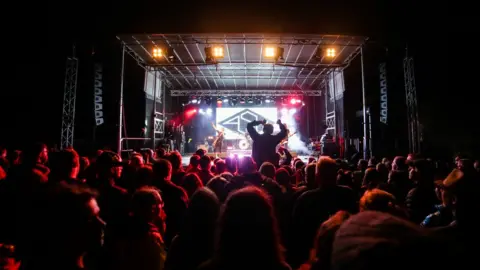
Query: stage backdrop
[{"x": 235, "y": 120}]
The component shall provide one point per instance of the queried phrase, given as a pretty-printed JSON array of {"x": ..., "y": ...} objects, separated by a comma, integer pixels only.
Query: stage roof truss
[
  {"x": 243, "y": 67},
  {"x": 243, "y": 93}
]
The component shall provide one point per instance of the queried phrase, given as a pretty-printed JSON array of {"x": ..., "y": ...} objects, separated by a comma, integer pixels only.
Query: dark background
[{"x": 39, "y": 36}]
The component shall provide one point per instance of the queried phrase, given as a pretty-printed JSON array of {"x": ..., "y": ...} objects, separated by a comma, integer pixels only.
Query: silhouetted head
[
  {"x": 176, "y": 159},
  {"x": 248, "y": 231},
  {"x": 217, "y": 184},
  {"x": 147, "y": 204},
  {"x": 268, "y": 129},
  {"x": 326, "y": 171},
  {"x": 162, "y": 170},
  {"x": 268, "y": 169},
  {"x": 35, "y": 153},
  {"x": 247, "y": 165},
  {"x": 191, "y": 183},
  {"x": 205, "y": 163}
]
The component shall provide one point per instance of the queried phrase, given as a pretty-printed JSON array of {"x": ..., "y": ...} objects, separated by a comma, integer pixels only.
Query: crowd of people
[{"x": 63, "y": 211}]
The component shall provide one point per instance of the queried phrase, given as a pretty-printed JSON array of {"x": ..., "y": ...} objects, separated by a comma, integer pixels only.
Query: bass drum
[{"x": 243, "y": 145}]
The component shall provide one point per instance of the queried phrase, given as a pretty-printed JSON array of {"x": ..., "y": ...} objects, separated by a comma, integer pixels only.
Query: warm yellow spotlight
[
  {"x": 331, "y": 52},
  {"x": 218, "y": 52},
  {"x": 157, "y": 52},
  {"x": 270, "y": 52}
]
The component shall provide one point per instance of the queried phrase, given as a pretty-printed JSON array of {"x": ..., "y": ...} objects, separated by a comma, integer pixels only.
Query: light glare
[
  {"x": 270, "y": 52},
  {"x": 157, "y": 52},
  {"x": 331, "y": 52},
  {"x": 218, "y": 52}
]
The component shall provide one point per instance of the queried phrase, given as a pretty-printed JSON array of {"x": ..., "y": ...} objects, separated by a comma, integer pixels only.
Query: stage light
[
  {"x": 240, "y": 156},
  {"x": 293, "y": 101},
  {"x": 267, "y": 100},
  {"x": 232, "y": 155},
  {"x": 292, "y": 111},
  {"x": 270, "y": 52},
  {"x": 209, "y": 111},
  {"x": 194, "y": 101},
  {"x": 331, "y": 52},
  {"x": 157, "y": 52},
  {"x": 242, "y": 101},
  {"x": 274, "y": 52},
  {"x": 212, "y": 53},
  {"x": 225, "y": 100},
  {"x": 201, "y": 111},
  {"x": 218, "y": 52}
]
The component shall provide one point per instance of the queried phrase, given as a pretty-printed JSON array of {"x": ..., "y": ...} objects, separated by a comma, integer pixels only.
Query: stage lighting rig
[
  {"x": 327, "y": 52},
  {"x": 213, "y": 53},
  {"x": 275, "y": 53},
  {"x": 157, "y": 52},
  {"x": 168, "y": 53},
  {"x": 331, "y": 52}
]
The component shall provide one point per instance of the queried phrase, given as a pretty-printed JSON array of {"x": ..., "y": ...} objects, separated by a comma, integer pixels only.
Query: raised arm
[
  {"x": 283, "y": 131},
  {"x": 251, "y": 129},
  {"x": 214, "y": 127}
]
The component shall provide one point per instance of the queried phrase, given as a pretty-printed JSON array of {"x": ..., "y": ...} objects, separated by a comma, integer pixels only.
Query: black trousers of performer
[{"x": 218, "y": 147}]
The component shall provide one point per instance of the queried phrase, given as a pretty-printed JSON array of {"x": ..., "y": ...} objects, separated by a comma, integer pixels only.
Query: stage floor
[{"x": 186, "y": 157}]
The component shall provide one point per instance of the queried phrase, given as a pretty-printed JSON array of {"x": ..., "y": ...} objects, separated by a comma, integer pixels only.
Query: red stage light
[{"x": 293, "y": 101}]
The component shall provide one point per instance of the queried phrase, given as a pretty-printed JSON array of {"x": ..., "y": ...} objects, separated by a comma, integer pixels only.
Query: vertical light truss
[
  {"x": 69, "y": 96},
  {"x": 414, "y": 137}
]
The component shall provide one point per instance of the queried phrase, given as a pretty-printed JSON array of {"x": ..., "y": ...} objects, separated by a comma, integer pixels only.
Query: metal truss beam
[
  {"x": 246, "y": 93},
  {"x": 251, "y": 63},
  {"x": 69, "y": 97},
  {"x": 240, "y": 41},
  {"x": 414, "y": 132},
  {"x": 266, "y": 77}
]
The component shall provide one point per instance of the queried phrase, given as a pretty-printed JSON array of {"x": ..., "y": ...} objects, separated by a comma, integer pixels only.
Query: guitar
[{"x": 284, "y": 141}]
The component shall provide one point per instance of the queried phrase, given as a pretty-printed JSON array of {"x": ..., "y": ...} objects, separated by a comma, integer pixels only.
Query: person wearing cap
[
  {"x": 462, "y": 187},
  {"x": 113, "y": 200}
]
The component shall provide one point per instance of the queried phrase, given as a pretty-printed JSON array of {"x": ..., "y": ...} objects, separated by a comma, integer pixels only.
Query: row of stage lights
[
  {"x": 208, "y": 111},
  {"x": 217, "y": 52},
  {"x": 233, "y": 101}
]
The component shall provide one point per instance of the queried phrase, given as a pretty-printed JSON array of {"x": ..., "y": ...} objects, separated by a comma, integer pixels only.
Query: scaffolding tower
[
  {"x": 69, "y": 96},
  {"x": 414, "y": 133}
]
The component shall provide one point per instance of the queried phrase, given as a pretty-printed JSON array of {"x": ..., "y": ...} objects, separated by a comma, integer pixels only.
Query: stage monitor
[{"x": 235, "y": 120}]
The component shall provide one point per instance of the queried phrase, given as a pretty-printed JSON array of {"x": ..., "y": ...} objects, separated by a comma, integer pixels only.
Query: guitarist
[
  {"x": 218, "y": 142},
  {"x": 285, "y": 140}
]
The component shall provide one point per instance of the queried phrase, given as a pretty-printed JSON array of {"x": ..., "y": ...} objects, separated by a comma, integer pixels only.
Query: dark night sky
[{"x": 42, "y": 38}]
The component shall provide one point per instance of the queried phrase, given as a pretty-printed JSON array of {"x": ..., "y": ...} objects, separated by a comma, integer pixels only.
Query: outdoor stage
[{"x": 202, "y": 84}]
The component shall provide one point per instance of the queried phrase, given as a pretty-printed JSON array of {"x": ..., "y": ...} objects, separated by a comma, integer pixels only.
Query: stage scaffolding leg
[
  {"x": 154, "y": 109},
  {"x": 414, "y": 136},
  {"x": 335, "y": 108},
  {"x": 365, "y": 133},
  {"x": 69, "y": 97},
  {"x": 120, "y": 119}
]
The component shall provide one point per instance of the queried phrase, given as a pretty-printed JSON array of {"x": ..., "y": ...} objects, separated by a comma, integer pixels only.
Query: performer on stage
[
  {"x": 284, "y": 142},
  {"x": 264, "y": 145},
  {"x": 326, "y": 140},
  {"x": 217, "y": 143}
]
